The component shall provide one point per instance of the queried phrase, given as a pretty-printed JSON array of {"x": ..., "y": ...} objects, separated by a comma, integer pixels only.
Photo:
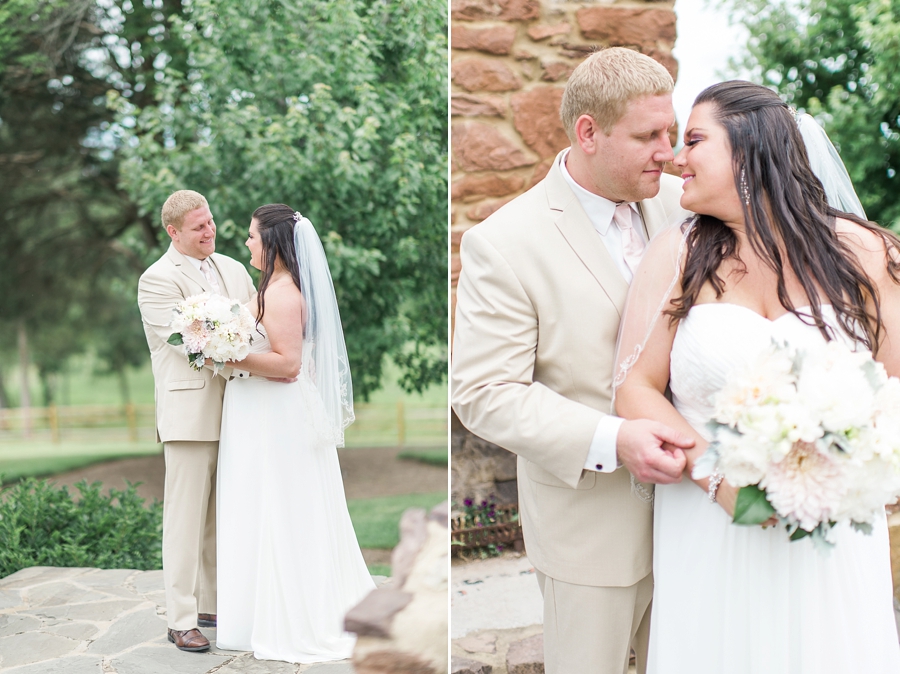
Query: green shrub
[{"x": 43, "y": 525}]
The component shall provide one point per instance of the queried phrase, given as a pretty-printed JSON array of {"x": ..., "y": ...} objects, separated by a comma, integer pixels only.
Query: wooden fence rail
[{"x": 376, "y": 423}]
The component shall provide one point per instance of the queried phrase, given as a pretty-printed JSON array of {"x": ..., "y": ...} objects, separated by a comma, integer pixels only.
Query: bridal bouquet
[
  {"x": 212, "y": 326},
  {"x": 810, "y": 435}
]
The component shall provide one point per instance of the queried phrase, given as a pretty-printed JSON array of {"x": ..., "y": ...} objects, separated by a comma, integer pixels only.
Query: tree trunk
[
  {"x": 124, "y": 391},
  {"x": 46, "y": 387},
  {"x": 25, "y": 393},
  {"x": 4, "y": 396}
]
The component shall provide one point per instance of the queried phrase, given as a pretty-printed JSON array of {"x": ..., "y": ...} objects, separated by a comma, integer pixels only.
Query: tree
[
  {"x": 837, "y": 60},
  {"x": 63, "y": 213},
  {"x": 337, "y": 108}
]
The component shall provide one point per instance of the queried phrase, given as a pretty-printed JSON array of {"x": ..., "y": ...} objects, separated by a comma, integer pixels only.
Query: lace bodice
[{"x": 714, "y": 339}]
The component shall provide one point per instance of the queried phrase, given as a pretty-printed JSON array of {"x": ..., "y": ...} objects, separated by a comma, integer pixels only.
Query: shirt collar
[
  {"x": 194, "y": 261},
  {"x": 600, "y": 210}
]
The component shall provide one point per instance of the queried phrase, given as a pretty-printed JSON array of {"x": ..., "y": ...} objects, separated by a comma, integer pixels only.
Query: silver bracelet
[{"x": 714, "y": 481}]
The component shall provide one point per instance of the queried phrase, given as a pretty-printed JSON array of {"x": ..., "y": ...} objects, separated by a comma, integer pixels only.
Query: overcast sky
[{"x": 705, "y": 43}]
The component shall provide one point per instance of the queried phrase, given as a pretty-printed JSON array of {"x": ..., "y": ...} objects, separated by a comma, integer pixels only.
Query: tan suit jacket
[
  {"x": 538, "y": 306},
  {"x": 188, "y": 403}
]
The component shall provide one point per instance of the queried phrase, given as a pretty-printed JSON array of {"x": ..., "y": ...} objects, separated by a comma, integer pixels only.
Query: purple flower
[{"x": 468, "y": 502}]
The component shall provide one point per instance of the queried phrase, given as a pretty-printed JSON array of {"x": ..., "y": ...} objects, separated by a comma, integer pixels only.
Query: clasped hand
[{"x": 651, "y": 451}]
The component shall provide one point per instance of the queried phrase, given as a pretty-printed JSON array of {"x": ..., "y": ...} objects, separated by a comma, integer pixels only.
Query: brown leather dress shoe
[
  {"x": 206, "y": 620},
  {"x": 189, "y": 640}
]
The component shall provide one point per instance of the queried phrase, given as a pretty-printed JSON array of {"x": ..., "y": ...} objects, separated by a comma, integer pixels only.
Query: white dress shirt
[{"x": 600, "y": 211}]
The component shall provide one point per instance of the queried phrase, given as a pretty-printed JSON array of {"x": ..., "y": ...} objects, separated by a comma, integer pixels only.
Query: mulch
[{"x": 367, "y": 472}]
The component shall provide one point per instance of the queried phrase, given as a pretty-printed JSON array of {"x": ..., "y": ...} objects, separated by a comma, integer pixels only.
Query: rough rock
[
  {"x": 540, "y": 172},
  {"x": 476, "y": 186},
  {"x": 481, "y": 147},
  {"x": 627, "y": 25},
  {"x": 480, "y": 643},
  {"x": 417, "y": 638},
  {"x": 497, "y": 10},
  {"x": 413, "y": 534},
  {"x": 466, "y": 105},
  {"x": 466, "y": 666},
  {"x": 372, "y": 617},
  {"x": 480, "y": 74},
  {"x": 556, "y": 70},
  {"x": 485, "y": 209},
  {"x": 526, "y": 656},
  {"x": 477, "y": 466},
  {"x": 665, "y": 58},
  {"x": 536, "y": 118},
  {"x": 543, "y": 31},
  {"x": 493, "y": 40}
]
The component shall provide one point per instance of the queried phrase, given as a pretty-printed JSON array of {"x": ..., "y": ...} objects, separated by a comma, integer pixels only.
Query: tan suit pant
[
  {"x": 591, "y": 630},
  {"x": 189, "y": 531}
]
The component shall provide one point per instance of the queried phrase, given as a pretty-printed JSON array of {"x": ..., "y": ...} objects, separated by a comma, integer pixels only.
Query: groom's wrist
[{"x": 602, "y": 457}]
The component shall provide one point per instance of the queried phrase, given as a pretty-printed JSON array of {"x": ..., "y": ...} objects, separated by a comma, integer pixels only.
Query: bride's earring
[{"x": 745, "y": 188}]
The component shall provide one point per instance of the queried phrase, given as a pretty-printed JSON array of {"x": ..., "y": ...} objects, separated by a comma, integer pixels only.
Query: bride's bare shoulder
[
  {"x": 870, "y": 246},
  {"x": 284, "y": 298}
]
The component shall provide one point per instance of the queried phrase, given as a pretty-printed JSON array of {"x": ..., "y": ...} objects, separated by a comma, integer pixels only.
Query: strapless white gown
[
  {"x": 289, "y": 565},
  {"x": 732, "y": 599}
]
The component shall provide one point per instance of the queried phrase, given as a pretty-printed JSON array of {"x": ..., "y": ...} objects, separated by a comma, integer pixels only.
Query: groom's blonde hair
[
  {"x": 603, "y": 84},
  {"x": 178, "y": 205}
]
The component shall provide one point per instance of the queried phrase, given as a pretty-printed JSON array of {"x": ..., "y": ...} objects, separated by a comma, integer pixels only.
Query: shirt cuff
[
  {"x": 602, "y": 454},
  {"x": 240, "y": 374}
]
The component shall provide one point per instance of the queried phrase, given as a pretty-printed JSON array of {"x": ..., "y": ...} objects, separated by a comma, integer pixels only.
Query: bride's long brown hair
[
  {"x": 787, "y": 214},
  {"x": 275, "y": 223}
]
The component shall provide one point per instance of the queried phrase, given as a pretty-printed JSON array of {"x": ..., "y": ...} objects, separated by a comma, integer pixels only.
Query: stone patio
[{"x": 93, "y": 621}]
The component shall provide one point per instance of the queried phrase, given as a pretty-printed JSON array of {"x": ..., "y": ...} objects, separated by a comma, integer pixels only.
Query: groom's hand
[{"x": 652, "y": 451}]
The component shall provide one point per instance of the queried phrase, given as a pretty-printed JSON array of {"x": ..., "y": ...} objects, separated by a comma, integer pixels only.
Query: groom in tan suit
[
  {"x": 188, "y": 412},
  {"x": 539, "y": 299}
]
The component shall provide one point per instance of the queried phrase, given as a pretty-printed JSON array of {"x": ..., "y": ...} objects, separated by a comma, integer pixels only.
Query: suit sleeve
[
  {"x": 492, "y": 375},
  {"x": 157, "y": 298}
]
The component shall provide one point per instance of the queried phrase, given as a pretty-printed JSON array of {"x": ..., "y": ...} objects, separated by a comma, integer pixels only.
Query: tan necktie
[
  {"x": 210, "y": 276},
  {"x": 632, "y": 243}
]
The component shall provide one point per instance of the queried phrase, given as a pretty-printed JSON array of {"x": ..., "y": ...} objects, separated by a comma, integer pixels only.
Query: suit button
[{"x": 599, "y": 466}]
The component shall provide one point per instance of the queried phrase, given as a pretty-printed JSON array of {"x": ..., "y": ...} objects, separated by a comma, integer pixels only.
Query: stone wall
[{"x": 509, "y": 63}]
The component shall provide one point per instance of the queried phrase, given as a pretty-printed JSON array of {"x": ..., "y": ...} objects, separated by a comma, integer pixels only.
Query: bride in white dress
[
  {"x": 768, "y": 258},
  {"x": 289, "y": 565}
]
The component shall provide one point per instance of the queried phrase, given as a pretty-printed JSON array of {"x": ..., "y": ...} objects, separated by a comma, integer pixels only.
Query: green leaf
[
  {"x": 752, "y": 507},
  {"x": 176, "y": 339},
  {"x": 799, "y": 533}
]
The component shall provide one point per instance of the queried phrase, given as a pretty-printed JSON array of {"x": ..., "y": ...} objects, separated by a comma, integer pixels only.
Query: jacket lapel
[
  {"x": 575, "y": 226},
  {"x": 654, "y": 216},
  {"x": 190, "y": 271}
]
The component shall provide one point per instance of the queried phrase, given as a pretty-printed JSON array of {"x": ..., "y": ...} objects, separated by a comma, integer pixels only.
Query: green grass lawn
[
  {"x": 38, "y": 459},
  {"x": 376, "y": 520}
]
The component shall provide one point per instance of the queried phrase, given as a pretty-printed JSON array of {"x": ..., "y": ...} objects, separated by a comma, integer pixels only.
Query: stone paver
[
  {"x": 496, "y": 593},
  {"x": 76, "y": 664},
  {"x": 93, "y": 621}
]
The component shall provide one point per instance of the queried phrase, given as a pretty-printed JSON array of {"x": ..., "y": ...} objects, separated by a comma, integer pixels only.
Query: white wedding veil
[{"x": 324, "y": 358}]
